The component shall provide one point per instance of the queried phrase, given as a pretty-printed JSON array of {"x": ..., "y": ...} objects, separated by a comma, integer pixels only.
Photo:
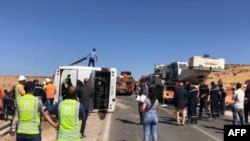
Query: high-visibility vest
[
  {"x": 28, "y": 115},
  {"x": 17, "y": 93},
  {"x": 69, "y": 123},
  {"x": 50, "y": 90}
]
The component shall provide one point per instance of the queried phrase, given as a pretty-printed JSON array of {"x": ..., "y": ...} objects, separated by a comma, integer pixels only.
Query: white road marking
[
  {"x": 107, "y": 128},
  {"x": 198, "y": 129},
  {"x": 206, "y": 133}
]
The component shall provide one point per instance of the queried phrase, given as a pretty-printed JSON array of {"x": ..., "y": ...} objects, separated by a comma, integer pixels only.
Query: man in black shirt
[
  {"x": 39, "y": 91},
  {"x": 85, "y": 95}
]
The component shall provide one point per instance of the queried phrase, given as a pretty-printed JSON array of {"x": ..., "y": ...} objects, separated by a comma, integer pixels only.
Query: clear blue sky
[{"x": 37, "y": 36}]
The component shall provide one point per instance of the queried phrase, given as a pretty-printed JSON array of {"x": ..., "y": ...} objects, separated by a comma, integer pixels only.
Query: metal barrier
[{"x": 5, "y": 128}]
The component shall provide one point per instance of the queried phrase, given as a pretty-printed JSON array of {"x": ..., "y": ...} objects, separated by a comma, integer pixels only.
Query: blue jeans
[
  {"x": 50, "y": 103},
  {"x": 25, "y": 137},
  {"x": 238, "y": 112},
  {"x": 84, "y": 121},
  {"x": 150, "y": 121}
]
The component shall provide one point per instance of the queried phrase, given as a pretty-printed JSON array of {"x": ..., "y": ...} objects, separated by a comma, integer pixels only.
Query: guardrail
[{"x": 5, "y": 128}]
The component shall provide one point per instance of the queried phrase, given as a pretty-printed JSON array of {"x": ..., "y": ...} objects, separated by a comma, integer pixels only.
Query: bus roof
[{"x": 84, "y": 67}]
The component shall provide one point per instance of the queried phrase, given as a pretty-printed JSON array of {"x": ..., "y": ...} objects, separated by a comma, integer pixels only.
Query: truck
[
  {"x": 125, "y": 83},
  {"x": 195, "y": 70}
]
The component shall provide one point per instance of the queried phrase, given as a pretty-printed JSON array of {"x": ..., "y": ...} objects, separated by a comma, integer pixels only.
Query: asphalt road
[{"x": 125, "y": 125}]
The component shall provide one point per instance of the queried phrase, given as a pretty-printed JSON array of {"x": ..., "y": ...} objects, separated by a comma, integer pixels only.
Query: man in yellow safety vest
[
  {"x": 30, "y": 110},
  {"x": 69, "y": 113},
  {"x": 19, "y": 91}
]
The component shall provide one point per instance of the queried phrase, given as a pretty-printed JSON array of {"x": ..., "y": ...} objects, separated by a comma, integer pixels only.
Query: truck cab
[{"x": 125, "y": 83}]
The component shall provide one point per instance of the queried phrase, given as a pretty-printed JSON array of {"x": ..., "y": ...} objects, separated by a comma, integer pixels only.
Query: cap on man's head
[
  {"x": 29, "y": 86},
  {"x": 94, "y": 49},
  {"x": 21, "y": 78}
]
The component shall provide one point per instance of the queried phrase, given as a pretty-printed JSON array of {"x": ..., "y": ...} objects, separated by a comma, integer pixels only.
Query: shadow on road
[
  {"x": 167, "y": 120},
  {"x": 220, "y": 130},
  {"x": 127, "y": 121},
  {"x": 228, "y": 120}
]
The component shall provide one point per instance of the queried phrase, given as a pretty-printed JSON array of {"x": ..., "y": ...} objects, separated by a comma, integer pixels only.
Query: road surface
[{"x": 125, "y": 125}]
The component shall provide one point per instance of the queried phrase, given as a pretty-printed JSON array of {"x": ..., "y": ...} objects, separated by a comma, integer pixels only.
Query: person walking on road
[
  {"x": 238, "y": 108},
  {"x": 150, "y": 118},
  {"x": 92, "y": 57},
  {"x": 180, "y": 100},
  {"x": 69, "y": 112},
  {"x": 85, "y": 95},
  {"x": 29, "y": 110}
]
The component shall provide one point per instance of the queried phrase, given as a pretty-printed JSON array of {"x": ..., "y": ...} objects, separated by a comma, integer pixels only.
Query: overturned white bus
[{"x": 102, "y": 80}]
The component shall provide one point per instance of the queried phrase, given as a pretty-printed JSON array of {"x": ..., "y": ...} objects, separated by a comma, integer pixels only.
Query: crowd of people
[
  {"x": 192, "y": 101},
  {"x": 29, "y": 102}
]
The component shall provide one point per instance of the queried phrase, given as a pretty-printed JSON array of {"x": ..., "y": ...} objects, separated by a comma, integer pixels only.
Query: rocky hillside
[{"x": 233, "y": 73}]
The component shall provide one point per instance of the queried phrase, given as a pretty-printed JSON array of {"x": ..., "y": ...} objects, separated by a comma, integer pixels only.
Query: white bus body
[{"x": 103, "y": 84}]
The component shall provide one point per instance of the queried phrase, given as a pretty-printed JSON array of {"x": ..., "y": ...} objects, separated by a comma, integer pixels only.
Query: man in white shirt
[
  {"x": 92, "y": 57},
  {"x": 238, "y": 109}
]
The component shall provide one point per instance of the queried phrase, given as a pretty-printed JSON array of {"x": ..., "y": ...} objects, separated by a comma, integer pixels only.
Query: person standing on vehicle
[
  {"x": 92, "y": 57},
  {"x": 238, "y": 108},
  {"x": 150, "y": 118},
  {"x": 29, "y": 110},
  {"x": 203, "y": 97},
  {"x": 85, "y": 96},
  {"x": 69, "y": 112},
  {"x": 214, "y": 97},
  {"x": 180, "y": 101},
  {"x": 192, "y": 102}
]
